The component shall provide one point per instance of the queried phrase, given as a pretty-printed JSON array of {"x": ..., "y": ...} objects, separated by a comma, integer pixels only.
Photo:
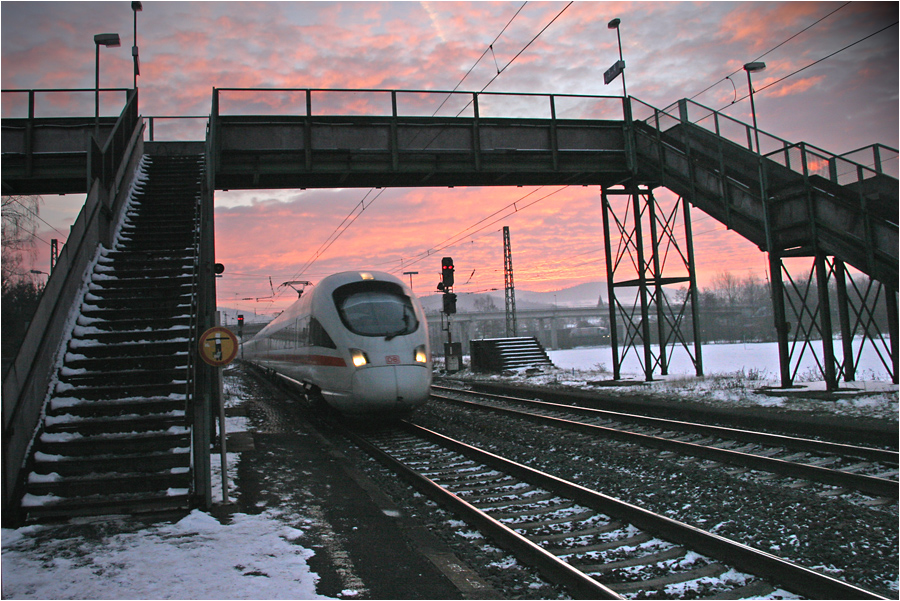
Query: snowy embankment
[
  {"x": 200, "y": 557},
  {"x": 736, "y": 375}
]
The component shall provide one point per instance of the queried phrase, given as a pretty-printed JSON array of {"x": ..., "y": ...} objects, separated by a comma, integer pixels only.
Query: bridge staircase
[
  {"x": 115, "y": 437},
  {"x": 815, "y": 202},
  {"x": 498, "y": 354}
]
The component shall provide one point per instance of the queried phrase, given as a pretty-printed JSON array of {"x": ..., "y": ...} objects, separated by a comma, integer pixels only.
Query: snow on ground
[
  {"x": 252, "y": 557},
  {"x": 199, "y": 557},
  {"x": 735, "y": 375},
  {"x": 257, "y": 556}
]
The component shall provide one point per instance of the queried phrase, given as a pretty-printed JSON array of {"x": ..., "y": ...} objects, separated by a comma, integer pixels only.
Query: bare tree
[
  {"x": 485, "y": 304},
  {"x": 727, "y": 287},
  {"x": 20, "y": 222}
]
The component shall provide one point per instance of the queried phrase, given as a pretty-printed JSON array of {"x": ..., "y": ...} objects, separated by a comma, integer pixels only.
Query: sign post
[{"x": 218, "y": 347}]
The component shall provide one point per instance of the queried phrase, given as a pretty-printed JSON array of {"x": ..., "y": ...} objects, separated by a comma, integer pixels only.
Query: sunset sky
[{"x": 672, "y": 50}]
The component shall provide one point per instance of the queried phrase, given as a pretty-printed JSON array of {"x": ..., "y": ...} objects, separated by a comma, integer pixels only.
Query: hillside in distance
[{"x": 582, "y": 295}]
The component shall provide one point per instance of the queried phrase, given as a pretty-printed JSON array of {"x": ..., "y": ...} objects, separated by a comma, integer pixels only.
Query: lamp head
[
  {"x": 614, "y": 24},
  {"x": 754, "y": 67},
  {"x": 107, "y": 39},
  {"x": 137, "y": 6}
]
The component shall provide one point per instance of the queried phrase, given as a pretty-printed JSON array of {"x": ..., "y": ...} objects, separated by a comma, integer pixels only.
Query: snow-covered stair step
[
  {"x": 124, "y": 323},
  {"x": 44, "y": 485},
  {"x": 119, "y": 362},
  {"x": 75, "y": 444},
  {"x": 122, "y": 389},
  {"x": 111, "y": 424},
  {"x": 63, "y": 405},
  {"x": 126, "y": 378},
  {"x": 150, "y": 504},
  {"x": 182, "y": 301},
  {"x": 77, "y": 465},
  {"x": 103, "y": 281},
  {"x": 128, "y": 336},
  {"x": 86, "y": 349},
  {"x": 148, "y": 270}
]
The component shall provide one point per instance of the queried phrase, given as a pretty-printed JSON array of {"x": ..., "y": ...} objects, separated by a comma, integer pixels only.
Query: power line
[
  {"x": 489, "y": 47},
  {"x": 779, "y": 80},
  {"x": 33, "y": 212},
  {"x": 460, "y": 235},
  {"x": 338, "y": 231},
  {"x": 772, "y": 49}
]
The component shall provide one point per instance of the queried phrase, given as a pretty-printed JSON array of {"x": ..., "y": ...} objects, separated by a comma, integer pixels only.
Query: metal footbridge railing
[{"x": 815, "y": 201}]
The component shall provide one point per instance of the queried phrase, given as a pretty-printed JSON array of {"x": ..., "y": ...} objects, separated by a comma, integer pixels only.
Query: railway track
[
  {"x": 870, "y": 471},
  {"x": 592, "y": 544}
]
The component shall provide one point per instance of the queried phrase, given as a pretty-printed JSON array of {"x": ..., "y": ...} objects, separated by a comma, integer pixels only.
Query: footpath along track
[
  {"x": 594, "y": 545},
  {"x": 871, "y": 471}
]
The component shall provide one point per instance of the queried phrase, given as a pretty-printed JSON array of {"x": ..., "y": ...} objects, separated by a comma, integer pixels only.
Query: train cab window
[{"x": 374, "y": 308}]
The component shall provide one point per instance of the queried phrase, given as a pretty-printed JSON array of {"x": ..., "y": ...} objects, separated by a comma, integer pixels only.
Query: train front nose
[{"x": 391, "y": 387}]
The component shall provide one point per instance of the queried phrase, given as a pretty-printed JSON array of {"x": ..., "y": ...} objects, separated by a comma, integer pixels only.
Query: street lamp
[
  {"x": 410, "y": 274},
  {"x": 136, "y": 7},
  {"x": 620, "y": 66},
  {"x": 754, "y": 68},
  {"x": 110, "y": 40}
]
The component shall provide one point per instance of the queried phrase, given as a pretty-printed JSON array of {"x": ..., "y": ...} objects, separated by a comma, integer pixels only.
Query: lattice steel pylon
[
  {"x": 509, "y": 287},
  {"x": 643, "y": 211}
]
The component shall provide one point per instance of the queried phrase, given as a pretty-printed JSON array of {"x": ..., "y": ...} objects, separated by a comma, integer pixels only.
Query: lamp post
[
  {"x": 754, "y": 68},
  {"x": 136, "y": 7},
  {"x": 614, "y": 24},
  {"x": 110, "y": 40},
  {"x": 410, "y": 274},
  {"x": 775, "y": 264}
]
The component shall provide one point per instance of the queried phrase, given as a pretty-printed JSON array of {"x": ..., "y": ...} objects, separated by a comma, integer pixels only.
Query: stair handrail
[
  {"x": 26, "y": 380},
  {"x": 812, "y": 160}
]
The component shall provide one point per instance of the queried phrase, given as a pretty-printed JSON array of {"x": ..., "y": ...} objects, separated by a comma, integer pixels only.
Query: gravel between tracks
[{"x": 844, "y": 539}]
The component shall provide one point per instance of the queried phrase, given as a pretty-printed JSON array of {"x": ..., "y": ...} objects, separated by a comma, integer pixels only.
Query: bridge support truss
[
  {"x": 823, "y": 300},
  {"x": 638, "y": 264}
]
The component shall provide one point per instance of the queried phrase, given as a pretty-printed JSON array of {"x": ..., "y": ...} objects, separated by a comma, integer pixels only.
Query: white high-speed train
[{"x": 358, "y": 338}]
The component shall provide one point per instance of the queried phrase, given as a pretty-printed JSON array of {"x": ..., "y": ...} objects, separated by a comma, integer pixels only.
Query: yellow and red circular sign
[{"x": 218, "y": 346}]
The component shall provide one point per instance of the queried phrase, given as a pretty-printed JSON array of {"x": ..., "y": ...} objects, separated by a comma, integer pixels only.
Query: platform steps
[
  {"x": 499, "y": 354},
  {"x": 115, "y": 439}
]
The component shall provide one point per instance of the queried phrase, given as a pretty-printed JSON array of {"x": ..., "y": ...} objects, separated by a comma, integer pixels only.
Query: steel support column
[
  {"x": 647, "y": 260},
  {"x": 642, "y": 282},
  {"x": 610, "y": 286},
  {"x": 827, "y": 331}
]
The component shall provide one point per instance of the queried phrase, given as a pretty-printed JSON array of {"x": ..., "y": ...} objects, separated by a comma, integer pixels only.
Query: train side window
[
  {"x": 304, "y": 338},
  {"x": 318, "y": 336}
]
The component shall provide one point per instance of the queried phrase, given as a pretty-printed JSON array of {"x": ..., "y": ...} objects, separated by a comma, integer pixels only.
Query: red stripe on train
[{"x": 323, "y": 360}]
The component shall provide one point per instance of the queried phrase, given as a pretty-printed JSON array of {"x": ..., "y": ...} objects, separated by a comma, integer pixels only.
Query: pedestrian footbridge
[{"x": 790, "y": 199}]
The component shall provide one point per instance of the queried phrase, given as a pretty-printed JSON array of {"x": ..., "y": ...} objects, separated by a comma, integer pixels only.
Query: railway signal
[
  {"x": 447, "y": 273},
  {"x": 449, "y": 303}
]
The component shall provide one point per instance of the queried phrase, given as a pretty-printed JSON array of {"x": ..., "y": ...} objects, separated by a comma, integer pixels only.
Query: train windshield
[{"x": 376, "y": 309}]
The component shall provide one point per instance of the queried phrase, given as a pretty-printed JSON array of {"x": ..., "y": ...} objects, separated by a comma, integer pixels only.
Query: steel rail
[
  {"x": 785, "y": 574},
  {"x": 880, "y": 487},
  {"x": 792, "y": 442},
  {"x": 560, "y": 572}
]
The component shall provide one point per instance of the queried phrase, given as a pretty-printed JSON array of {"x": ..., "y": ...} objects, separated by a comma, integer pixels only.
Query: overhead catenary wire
[
  {"x": 460, "y": 236},
  {"x": 361, "y": 205},
  {"x": 37, "y": 216},
  {"x": 816, "y": 62},
  {"x": 771, "y": 50}
]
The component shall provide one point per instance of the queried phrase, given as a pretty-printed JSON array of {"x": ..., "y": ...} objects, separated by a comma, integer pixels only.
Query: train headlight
[
  {"x": 358, "y": 357},
  {"x": 421, "y": 355}
]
